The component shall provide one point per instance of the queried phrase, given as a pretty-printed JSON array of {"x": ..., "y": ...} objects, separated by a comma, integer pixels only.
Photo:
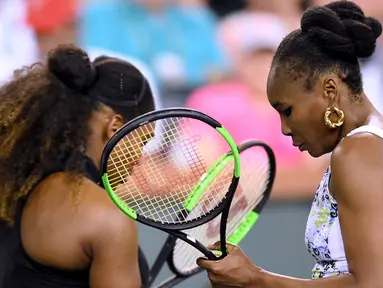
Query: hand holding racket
[
  {"x": 257, "y": 177},
  {"x": 175, "y": 203}
]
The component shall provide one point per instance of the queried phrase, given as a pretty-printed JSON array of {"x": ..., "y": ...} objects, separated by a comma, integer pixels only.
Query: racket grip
[
  {"x": 225, "y": 216},
  {"x": 171, "y": 282},
  {"x": 161, "y": 259}
]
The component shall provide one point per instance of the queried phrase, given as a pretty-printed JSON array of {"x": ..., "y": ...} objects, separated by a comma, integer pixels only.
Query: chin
[{"x": 315, "y": 154}]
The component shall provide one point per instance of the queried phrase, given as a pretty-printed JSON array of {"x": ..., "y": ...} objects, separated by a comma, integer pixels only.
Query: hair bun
[
  {"x": 375, "y": 25},
  {"x": 72, "y": 66},
  {"x": 342, "y": 29}
]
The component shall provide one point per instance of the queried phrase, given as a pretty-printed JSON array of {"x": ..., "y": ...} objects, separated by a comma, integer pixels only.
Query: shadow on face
[{"x": 302, "y": 107}]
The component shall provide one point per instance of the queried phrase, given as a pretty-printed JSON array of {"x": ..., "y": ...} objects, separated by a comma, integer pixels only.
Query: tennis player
[
  {"x": 315, "y": 85},
  {"x": 54, "y": 122}
]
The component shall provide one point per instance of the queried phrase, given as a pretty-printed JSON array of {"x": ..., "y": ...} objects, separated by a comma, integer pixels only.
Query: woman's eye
[{"x": 287, "y": 112}]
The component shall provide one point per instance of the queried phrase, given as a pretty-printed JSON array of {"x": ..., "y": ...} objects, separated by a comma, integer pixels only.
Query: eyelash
[{"x": 287, "y": 112}]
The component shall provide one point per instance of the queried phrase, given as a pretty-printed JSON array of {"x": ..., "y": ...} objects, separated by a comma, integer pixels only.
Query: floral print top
[{"x": 323, "y": 235}]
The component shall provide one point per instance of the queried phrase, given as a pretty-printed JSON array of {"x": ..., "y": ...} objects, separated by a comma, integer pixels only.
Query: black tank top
[{"x": 24, "y": 272}]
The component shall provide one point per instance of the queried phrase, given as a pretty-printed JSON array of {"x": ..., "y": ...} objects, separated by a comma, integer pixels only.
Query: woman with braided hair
[
  {"x": 55, "y": 119},
  {"x": 315, "y": 85}
]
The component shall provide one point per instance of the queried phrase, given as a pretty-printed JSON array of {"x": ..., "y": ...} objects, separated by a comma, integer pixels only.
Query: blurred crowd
[{"x": 212, "y": 56}]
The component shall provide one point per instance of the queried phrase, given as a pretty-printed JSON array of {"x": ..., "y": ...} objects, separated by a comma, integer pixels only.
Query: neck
[
  {"x": 93, "y": 154},
  {"x": 362, "y": 112}
]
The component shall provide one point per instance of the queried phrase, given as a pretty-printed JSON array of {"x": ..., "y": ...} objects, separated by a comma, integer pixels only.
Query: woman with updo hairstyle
[
  {"x": 55, "y": 120},
  {"x": 315, "y": 85}
]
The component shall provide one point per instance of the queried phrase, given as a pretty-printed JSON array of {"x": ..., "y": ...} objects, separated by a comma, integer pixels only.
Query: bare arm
[
  {"x": 114, "y": 247},
  {"x": 357, "y": 183},
  {"x": 275, "y": 280}
]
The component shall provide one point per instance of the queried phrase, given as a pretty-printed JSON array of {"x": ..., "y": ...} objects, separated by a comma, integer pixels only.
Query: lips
[{"x": 300, "y": 146}]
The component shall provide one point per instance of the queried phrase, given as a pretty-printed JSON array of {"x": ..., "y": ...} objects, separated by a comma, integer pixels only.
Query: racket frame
[
  {"x": 151, "y": 117},
  {"x": 167, "y": 252}
]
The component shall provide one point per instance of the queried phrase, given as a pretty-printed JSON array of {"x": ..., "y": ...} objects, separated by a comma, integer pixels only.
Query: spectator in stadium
[
  {"x": 240, "y": 24},
  {"x": 18, "y": 43},
  {"x": 163, "y": 34}
]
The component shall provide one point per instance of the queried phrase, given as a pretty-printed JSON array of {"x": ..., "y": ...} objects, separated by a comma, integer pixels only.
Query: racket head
[
  {"x": 182, "y": 261},
  {"x": 159, "y": 204}
]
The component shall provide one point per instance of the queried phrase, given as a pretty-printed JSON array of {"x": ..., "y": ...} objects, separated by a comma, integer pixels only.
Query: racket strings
[
  {"x": 155, "y": 175},
  {"x": 222, "y": 181},
  {"x": 253, "y": 183}
]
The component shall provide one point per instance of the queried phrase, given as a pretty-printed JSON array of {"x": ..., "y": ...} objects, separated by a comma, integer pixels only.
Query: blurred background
[{"x": 212, "y": 56}]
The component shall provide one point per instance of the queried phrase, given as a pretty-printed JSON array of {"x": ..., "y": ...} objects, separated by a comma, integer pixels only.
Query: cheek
[
  {"x": 316, "y": 130},
  {"x": 308, "y": 125}
]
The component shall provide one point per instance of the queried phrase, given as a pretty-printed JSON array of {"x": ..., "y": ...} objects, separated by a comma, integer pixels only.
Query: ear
[
  {"x": 115, "y": 123},
  {"x": 331, "y": 90}
]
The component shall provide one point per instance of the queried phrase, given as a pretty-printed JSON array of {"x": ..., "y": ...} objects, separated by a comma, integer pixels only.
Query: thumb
[
  {"x": 215, "y": 246},
  {"x": 203, "y": 262},
  {"x": 206, "y": 263}
]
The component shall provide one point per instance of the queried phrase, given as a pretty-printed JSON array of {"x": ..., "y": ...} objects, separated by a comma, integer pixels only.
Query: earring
[{"x": 339, "y": 114}]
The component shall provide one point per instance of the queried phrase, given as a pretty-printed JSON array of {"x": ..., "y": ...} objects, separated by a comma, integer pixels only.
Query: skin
[
  {"x": 355, "y": 183},
  {"x": 90, "y": 233}
]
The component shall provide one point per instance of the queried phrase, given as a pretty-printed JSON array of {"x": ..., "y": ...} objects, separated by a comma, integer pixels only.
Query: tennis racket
[
  {"x": 257, "y": 177},
  {"x": 161, "y": 187}
]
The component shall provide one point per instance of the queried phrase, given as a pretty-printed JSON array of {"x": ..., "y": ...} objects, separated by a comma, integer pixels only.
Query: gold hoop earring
[{"x": 339, "y": 114}]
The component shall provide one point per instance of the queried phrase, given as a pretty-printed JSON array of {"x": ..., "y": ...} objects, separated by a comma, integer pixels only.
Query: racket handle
[
  {"x": 210, "y": 255},
  {"x": 171, "y": 282},
  {"x": 225, "y": 216},
  {"x": 161, "y": 259}
]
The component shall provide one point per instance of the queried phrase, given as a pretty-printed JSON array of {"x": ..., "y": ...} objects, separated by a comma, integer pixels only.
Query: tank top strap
[{"x": 369, "y": 129}]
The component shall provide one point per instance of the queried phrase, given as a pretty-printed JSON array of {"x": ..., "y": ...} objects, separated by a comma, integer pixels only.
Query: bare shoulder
[
  {"x": 357, "y": 184},
  {"x": 357, "y": 162},
  {"x": 102, "y": 216},
  {"x": 358, "y": 147},
  {"x": 111, "y": 239}
]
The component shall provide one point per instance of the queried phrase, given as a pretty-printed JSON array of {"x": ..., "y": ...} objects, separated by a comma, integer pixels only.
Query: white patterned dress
[{"x": 323, "y": 235}]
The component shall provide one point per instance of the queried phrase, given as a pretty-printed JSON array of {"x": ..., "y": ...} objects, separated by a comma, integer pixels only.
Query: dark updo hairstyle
[
  {"x": 332, "y": 38},
  {"x": 45, "y": 116}
]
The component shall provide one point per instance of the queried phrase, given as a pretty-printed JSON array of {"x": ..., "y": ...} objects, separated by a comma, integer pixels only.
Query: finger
[
  {"x": 230, "y": 247},
  {"x": 215, "y": 246},
  {"x": 204, "y": 263}
]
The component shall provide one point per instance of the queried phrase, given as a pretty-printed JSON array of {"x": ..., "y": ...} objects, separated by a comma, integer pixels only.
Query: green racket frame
[{"x": 201, "y": 186}]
